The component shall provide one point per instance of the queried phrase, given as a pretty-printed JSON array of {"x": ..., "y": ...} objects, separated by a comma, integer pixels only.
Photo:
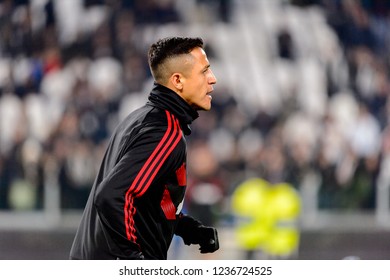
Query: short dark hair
[{"x": 170, "y": 47}]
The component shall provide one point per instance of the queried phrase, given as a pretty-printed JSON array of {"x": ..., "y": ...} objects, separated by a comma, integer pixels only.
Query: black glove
[
  {"x": 193, "y": 232},
  {"x": 209, "y": 242}
]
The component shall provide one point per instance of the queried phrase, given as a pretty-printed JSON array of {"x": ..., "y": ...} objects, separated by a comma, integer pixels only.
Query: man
[{"x": 134, "y": 208}]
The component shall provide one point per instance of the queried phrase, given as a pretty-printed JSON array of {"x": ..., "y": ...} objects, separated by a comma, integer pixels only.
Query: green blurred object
[
  {"x": 282, "y": 241},
  {"x": 266, "y": 216},
  {"x": 284, "y": 202}
]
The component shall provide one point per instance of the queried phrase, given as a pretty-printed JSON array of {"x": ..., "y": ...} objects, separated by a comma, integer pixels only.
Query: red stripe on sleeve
[
  {"x": 171, "y": 147},
  {"x": 138, "y": 187}
]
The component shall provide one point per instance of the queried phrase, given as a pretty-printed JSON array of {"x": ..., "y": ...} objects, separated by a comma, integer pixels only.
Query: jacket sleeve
[{"x": 143, "y": 163}]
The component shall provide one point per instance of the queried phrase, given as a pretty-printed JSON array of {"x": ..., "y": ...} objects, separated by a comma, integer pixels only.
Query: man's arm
[{"x": 131, "y": 177}]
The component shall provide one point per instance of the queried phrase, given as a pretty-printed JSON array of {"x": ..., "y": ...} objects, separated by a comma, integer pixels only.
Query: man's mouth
[{"x": 209, "y": 93}]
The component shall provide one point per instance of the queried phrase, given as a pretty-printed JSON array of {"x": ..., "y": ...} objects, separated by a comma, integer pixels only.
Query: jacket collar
[{"x": 166, "y": 99}]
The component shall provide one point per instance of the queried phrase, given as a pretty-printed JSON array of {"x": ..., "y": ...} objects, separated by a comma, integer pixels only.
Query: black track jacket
[{"x": 134, "y": 206}]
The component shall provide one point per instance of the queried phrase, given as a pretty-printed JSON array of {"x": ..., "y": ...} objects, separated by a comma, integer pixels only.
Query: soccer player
[{"x": 134, "y": 208}]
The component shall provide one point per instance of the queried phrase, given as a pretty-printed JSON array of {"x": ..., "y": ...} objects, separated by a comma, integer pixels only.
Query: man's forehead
[
  {"x": 200, "y": 55},
  {"x": 198, "y": 52}
]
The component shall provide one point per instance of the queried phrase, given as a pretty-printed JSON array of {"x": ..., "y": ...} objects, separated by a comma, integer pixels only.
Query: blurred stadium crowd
[{"x": 302, "y": 97}]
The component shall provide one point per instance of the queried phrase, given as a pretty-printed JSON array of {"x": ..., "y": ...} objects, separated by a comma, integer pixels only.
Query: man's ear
[{"x": 177, "y": 81}]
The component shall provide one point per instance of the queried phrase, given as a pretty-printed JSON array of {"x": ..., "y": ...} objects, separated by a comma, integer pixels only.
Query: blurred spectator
[{"x": 205, "y": 188}]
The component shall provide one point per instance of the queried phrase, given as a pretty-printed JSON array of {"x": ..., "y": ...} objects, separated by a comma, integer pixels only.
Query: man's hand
[
  {"x": 208, "y": 239},
  {"x": 193, "y": 232}
]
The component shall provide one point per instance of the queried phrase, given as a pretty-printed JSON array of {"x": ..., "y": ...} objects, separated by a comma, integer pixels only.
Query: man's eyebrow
[{"x": 206, "y": 67}]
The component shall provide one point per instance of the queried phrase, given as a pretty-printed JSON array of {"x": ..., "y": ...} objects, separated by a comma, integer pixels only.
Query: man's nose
[{"x": 213, "y": 79}]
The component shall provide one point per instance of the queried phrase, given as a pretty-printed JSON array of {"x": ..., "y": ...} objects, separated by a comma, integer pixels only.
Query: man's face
[{"x": 198, "y": 82}]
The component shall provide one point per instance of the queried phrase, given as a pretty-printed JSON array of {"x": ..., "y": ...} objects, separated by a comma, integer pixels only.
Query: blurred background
[{"x": 292, "y": 162}]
